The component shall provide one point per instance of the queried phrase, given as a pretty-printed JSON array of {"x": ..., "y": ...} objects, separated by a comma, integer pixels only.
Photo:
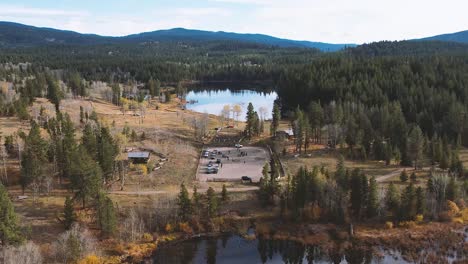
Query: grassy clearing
[{"x": 329, "y": 160}]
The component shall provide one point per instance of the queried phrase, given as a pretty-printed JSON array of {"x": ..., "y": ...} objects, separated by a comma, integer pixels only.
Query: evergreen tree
[
  {"x": 107, "y": 218},
  {"x": 212, "y": 202},
  {"x": 183, "y": 201},
  {"x": 89, "y": 140},
  {"x": 107, "y": 152},
  {"x": 408, "y": 203},
  {"x": 357, "y": 193},
  {"x": 116, "y": 93},
  {"x": 54, "y": 93},
  {"x": 85, "y": 177},
  {"x": 452, "y": 189},
  {"x": 420, "y": 201},
  {"x": 392, "y": 200},
  {"x": 341, "y": 176},
  {"x": 196, "y": 200},
  {"x": 81, "y": 114},
  {"x": 403, "y": 176},
  {"x": 68, "y": 145},
  {"x": 373, "y": 199},
  {"x": 250, "y": 121},
  {"x": 413, "y": 177},
  {"x": 151, "y": 86},
  {"x": 9, "y": 228},
  {"x": 276, "y": 117},
  {"x": 415, "y": 146},
  {"x": 69, "y": 213},
  {"x": 33, "y": 157},
  {"x": 224, "y": 194}
]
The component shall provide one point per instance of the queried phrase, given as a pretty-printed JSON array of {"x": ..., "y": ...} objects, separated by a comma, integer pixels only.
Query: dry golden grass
[{"x": 329, "y": 160}]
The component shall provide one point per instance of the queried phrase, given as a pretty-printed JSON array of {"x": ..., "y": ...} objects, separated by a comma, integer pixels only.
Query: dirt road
[{"x": 201, "y": 190}]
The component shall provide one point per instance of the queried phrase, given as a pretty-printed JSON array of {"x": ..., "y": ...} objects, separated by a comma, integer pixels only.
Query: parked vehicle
[
  {"x": 238, "y": 145},
  {"x": 246, "y": 179}
]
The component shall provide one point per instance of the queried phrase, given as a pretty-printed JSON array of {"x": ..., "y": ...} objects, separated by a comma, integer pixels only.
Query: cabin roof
[{"x": 139, "y": 154}]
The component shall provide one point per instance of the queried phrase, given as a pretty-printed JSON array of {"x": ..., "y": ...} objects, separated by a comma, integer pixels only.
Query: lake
[
  {"x": 233, "y": 249},
  {"x": 213, "y": 101}
]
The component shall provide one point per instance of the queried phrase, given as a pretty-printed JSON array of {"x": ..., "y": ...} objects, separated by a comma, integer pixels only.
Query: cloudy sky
[{"x": 335, "y": 21}]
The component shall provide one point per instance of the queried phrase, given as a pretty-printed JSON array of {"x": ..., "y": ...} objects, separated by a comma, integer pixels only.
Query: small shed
[
  {"x": 139, "y": 157},
  {"x": 285, "y": 134}
]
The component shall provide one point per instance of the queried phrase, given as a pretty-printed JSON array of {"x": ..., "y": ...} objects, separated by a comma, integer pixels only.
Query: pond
[
  {"x": 213, "y": 101},
  {"x": 231, "y": 249}
]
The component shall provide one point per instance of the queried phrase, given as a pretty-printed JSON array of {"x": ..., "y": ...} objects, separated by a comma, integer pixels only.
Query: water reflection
[
  {"x": 235, "y": 249},
  {"x": 213, "y": 101}
]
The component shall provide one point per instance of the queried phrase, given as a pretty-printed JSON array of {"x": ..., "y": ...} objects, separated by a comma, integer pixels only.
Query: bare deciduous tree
[
  {"x": 74, "y": 244},
  {"x": 28, "y": 253},
  {"x": 237, "y": 109},
  {"x": 133, "y": 227}
]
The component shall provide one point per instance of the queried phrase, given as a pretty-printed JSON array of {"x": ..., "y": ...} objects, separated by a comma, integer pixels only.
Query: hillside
[
  {"x": 19, "y": 35},
  {"x": 409, "y": 48},
  {"x": 461, "y": 37}
]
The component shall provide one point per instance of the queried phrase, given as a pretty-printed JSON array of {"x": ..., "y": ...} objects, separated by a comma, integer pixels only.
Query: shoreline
[{"x": 440, "y": 241}]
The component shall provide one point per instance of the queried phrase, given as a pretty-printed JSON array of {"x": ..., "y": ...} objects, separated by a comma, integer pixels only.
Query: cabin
[
  {"x": 285, "y": 134},
  {"x": 139, "y": 157}
]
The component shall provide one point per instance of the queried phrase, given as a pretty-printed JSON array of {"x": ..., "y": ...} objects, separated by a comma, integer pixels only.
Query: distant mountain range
[
  {"x": 460, "y": 37},
  {"x": 19, "y": 35}
]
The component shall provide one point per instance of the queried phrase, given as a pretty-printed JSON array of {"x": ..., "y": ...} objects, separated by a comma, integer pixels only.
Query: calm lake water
[
  {"x": 213, "y": 101},
  {"x": 233, "y": 249}
]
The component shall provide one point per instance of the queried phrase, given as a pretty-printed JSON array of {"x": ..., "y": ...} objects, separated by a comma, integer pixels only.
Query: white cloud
[{"x": 9, "y": 10}]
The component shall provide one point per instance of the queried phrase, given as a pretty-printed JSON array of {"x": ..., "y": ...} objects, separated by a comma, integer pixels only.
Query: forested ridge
[
  {"x": 168, "y": 62},
  {"x": 381, "y": 98}
]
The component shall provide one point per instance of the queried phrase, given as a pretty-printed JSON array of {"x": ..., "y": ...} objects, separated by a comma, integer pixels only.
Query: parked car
[
  {"x": 246, "y": 179},
  {"x": 218, "y": 161}
]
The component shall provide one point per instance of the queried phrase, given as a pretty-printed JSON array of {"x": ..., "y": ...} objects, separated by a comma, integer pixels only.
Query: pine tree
[
  {"x": 116, "y": 92},
  {"x": 392, "y": 200},
  {"x": 107, "y": 152},
  {"x": 89, "y": 141},
  {"x": 420, "y": 201},
  {"x": 224, "y": 194},
  {"x": 9, "y": 228},
  {"x": 444, "y": 161},
  {"x": 373, "y": 199},
  {"x": 408, "y": 203},
  {"x": 68, "y": 145},
  {"x": 85, "y": 177},
  {"x": 33, "y": 157},
  {"x": 151, "y": 86},
  {"x": 196, "y": 200},
  {"x": 403, "y": 176},
  {"x": 106, "y": 215},
  {"x": 81, "y": 114},
  {"x": 69, "y": 213},
  {"x": 276, "y": 117},
  {"x": 452, "y": 189},
  {"x": 413, "y": 177},
  {"x": 250, "y": 121},
  {"x": 183, "y": 201},
  {"x": 212, "y": 202},
  {"x": 415, "y": 146},
  {"x": 54, "y": 94},
  {"x": 340, "y": 174},
  {"x": 357, "y": 193}
]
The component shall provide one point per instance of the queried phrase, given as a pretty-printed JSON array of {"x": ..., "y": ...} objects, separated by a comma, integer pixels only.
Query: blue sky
[{"x": 336, "y": 21}]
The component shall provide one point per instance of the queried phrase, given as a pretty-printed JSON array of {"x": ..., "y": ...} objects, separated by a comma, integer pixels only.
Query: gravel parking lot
[{"x": 235, "y": 163}]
